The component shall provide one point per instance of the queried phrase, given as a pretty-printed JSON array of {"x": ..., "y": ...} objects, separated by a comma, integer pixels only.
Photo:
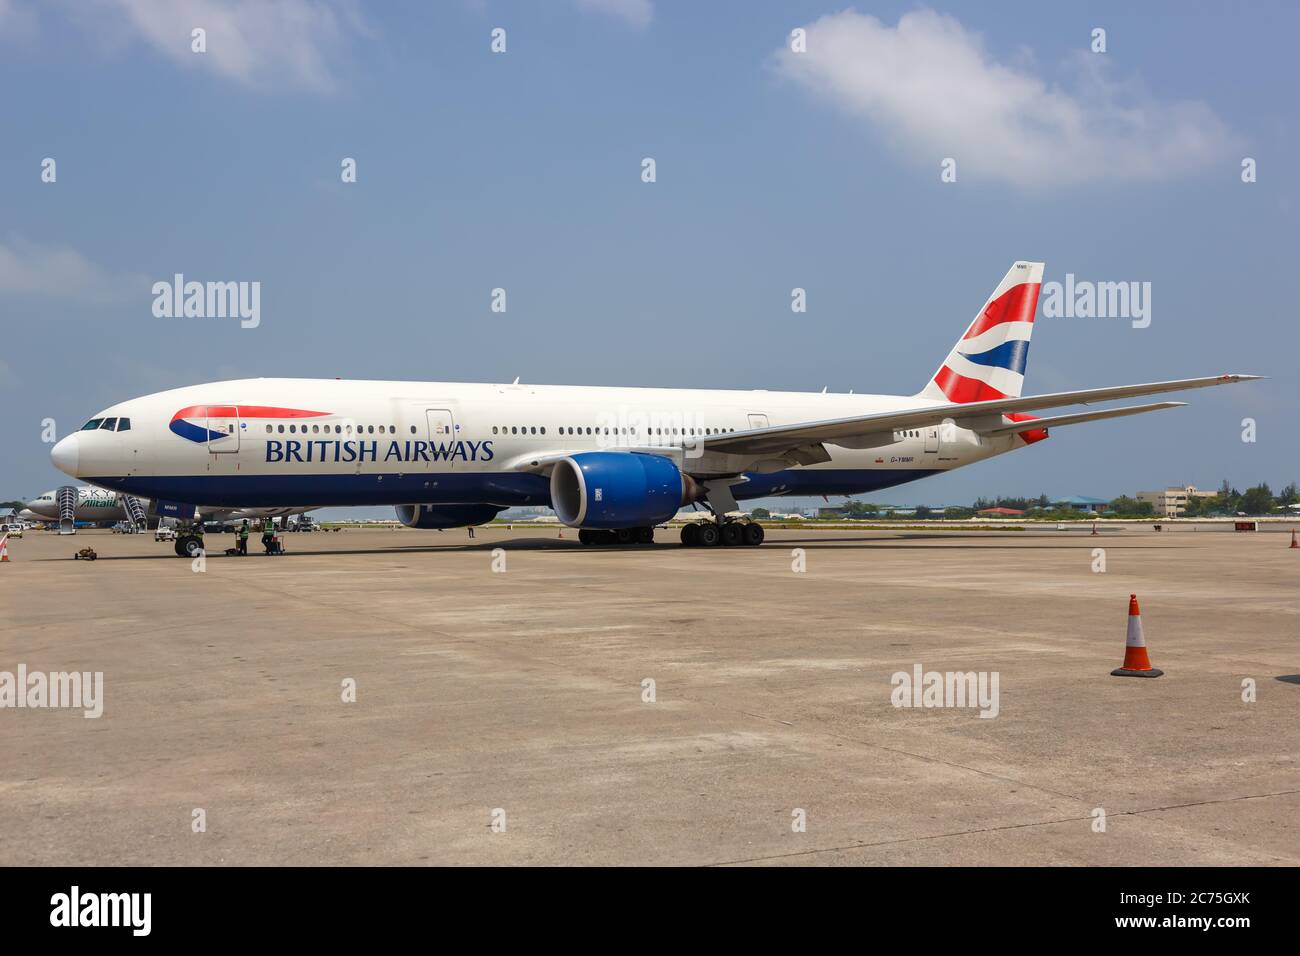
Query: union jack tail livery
[{"x": 988, "y": 362}]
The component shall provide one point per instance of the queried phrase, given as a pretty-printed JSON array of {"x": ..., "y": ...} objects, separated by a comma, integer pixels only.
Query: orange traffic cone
[
  {"x": 4, "y": 549},
  {"x": 1136, "y": 661},
  {"x": 1294, "y": 544}
]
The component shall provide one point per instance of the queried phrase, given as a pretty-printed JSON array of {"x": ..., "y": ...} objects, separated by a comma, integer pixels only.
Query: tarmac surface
[{"x": 487, "y": 696}]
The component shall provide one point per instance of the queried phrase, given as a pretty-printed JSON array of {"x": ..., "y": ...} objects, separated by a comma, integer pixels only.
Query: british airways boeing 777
[{"x": 613, "y": 462}]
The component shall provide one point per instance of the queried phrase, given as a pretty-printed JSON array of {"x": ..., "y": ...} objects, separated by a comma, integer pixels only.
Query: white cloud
[
  {"x": 269, "y": 44},
  {"x": 932, "y": 89},
  {"x": 61, "y": 272},
  {"x": 635, "y": 13}
]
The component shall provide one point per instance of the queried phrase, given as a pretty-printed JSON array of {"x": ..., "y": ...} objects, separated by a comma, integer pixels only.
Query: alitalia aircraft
[
  {"x": 613, "y": 462},
  {"x": 101, "y": 506}
]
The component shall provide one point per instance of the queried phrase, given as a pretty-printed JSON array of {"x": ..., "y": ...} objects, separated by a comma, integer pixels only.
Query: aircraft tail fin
[{"x": 988, "y": 362}]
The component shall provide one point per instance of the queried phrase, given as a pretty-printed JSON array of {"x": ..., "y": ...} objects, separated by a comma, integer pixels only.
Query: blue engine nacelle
[
  {"x": 610, "y": 489},
  {"x": 431, "y": 517}
]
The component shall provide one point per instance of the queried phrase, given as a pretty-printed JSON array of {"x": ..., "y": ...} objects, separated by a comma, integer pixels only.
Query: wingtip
[{"x": 1238, "y": 377}]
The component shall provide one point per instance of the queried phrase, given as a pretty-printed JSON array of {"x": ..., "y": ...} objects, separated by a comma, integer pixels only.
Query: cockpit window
[
  {"x": 124, "y": 424},
  {"x": 91, "y": 425},
  {"x": 110, "y": 424}
]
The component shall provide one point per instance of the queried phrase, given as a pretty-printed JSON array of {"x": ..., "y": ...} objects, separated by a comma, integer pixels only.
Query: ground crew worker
[
  {"x": 268, "y": 534},
  {"x": 243, "y": 537},
  {"x": 198, "y": 533}
]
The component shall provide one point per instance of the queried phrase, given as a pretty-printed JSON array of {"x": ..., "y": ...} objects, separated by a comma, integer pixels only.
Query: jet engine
[
  {"x": 604, "y": 489},
  {"x": 431, "y": 517}
]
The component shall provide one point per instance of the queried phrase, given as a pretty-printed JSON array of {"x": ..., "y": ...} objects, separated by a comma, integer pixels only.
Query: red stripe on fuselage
[
  {"x": 244, "y": 411},
  {"x": 1017, "y": 304},
  {"x": 961, "y": 389}
]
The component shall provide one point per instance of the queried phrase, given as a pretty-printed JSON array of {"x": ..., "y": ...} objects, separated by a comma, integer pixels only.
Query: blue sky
[{"x": 522, "y": 170}]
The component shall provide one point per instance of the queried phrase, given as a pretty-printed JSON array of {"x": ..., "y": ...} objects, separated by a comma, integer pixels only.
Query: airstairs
[
  {"x": 67, "y": 500},
  {"x": 134, "y": 512}
]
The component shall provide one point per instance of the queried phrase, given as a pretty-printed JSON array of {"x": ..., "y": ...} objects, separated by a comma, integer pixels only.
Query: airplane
[
  {"x": 101, "y": 506},
  {"x": 613, "y": 462},
  {"x": 94, "y": 505}
]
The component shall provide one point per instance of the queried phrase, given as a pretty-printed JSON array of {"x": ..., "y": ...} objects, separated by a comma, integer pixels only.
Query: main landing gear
[
  {"x": 623, "y": 536},
  {"x": 729, "y": 533}
]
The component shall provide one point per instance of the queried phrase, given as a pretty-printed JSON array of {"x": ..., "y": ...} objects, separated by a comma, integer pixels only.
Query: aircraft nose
[{"x": 66, "y": 456}]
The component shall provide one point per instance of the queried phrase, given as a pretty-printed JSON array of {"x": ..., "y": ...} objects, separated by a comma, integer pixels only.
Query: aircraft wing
[{"x": 861, "y": 430}]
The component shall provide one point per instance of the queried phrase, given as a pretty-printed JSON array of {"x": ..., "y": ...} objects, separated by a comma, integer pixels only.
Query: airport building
[
  {"x": 1082, "y": 503},
  {"x": 1172, "y": 502}
]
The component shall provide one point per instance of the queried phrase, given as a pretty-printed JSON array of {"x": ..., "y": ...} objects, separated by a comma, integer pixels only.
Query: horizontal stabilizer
[{"x": 1059, "y": 420}]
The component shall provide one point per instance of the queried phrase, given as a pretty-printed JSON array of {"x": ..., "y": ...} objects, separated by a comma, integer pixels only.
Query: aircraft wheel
[
  {"x": 179, "y": 547},
  {"x": 754, "y": 535},
  {"x": 585, "y": 537},
  {"x": 691, "y": 535},
  {"x": 192, "y": 547},
  {"x": 709, "y": 534},
  {"x": 645, "y": 535},
  {"x": 733, "y": 533},
  {"x": 625, "y": 535}
]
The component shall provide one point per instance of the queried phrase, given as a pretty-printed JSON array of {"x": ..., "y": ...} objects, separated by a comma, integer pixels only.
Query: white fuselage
[{"x": 275, "y": 442}]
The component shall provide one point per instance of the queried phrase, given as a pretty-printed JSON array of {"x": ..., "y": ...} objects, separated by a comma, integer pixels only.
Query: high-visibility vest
[
  {"x": 269, "y": 527},
  {"x": 243, "y": 532}
]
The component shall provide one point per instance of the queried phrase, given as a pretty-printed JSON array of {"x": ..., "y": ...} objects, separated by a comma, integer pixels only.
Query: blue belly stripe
[{"x": 501, "y": 488}]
